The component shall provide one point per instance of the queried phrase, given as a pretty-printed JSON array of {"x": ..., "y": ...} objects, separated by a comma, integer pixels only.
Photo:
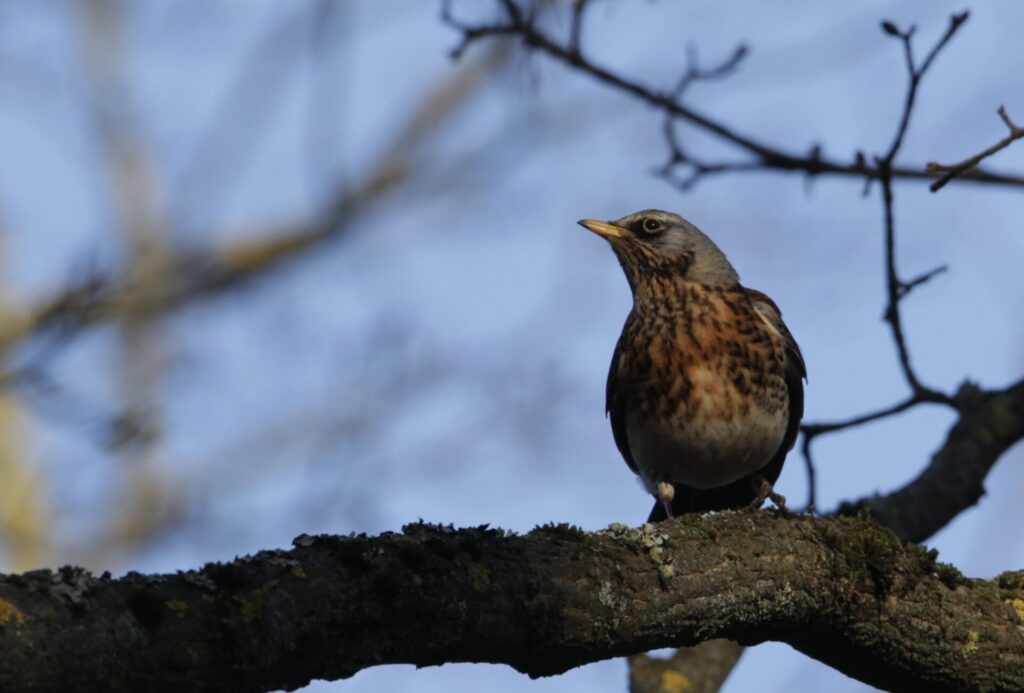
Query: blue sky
[{"x": 445, "y": 360}]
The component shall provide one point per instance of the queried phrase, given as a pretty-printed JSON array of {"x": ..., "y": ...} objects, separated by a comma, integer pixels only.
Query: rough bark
[{"x": 842, "y": 590}]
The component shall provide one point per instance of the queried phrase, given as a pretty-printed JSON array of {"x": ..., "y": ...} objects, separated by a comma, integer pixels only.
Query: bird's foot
[
  {"x": 666, "y": 492},
  {"x": 764, "y": 490}
]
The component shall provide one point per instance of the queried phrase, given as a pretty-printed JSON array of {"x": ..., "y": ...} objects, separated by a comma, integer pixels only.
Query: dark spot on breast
[{"x": 740, "y": 383}]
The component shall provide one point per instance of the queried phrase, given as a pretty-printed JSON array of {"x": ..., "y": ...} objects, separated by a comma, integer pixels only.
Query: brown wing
[
  {"x": 796, "y": 372},
  {"x": 615, "y": 406}
]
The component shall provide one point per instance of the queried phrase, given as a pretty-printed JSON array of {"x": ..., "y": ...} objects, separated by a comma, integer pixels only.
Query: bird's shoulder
[
  {"x": 795, "y": 374},
  {"x": 771, "y": 316}
]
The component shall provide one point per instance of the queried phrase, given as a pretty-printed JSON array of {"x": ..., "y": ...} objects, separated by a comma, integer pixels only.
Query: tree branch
[
  {"x": 952, "y": 171},
  {"x": 896, "y": 288},
  {"x": 186, "y": 276},
  {"x": 842, "y": 590},
  {"x": 764, "y": 156},
  {"x": 702, "y": 668},
  {"x": 813, "y": 430},
  {"x": 990, "y": 423}
]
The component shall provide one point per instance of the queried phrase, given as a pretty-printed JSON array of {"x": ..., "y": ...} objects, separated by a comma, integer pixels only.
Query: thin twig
[
  {"x": 952, "y": 171},
  {"x": 767, "y": 157},
  {"x": 906, "y": 287},
  {"x": 812, "y": 477},
  {"x": 576, "y": 24},
  {"x": 677, "y": 155},
  {"x": 813, "y": 430},
  {"x": 896, "y": 289},
  {"x": 695, "y": 73}
]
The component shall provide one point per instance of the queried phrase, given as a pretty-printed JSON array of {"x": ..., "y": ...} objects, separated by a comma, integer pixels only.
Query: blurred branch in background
[
  {"x": 699, "y": 669},
  {"x": 246, "y": 108},
  {"x": 24, "y": 505},
  {"x": 158, "y": 276},
  {"x": 191, "y": 275},
  {"x": 392, "y": 371},
  {"x": 138, "y": 506}
]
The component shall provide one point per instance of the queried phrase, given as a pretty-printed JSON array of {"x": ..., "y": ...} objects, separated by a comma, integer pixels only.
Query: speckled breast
[{"x": 704, "y": 383}]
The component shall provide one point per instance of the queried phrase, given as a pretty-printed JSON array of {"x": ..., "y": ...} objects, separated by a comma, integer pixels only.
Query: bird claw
[
  {"x": 668, "y": 509},
  {"x": 666, "y": 492},
  {"x": 764, "y": 490}
]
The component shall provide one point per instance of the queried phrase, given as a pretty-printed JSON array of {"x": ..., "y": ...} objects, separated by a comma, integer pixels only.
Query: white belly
[{"x": 704, "y": 453}]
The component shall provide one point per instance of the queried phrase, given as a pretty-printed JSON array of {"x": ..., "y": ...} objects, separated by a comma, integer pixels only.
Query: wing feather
[
  {"x": 615, "y": 406},
  {"x": 796, "y": 370}
]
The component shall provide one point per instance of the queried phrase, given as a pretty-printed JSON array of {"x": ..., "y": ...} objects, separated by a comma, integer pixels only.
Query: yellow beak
[{"x": 602, "y": 228}]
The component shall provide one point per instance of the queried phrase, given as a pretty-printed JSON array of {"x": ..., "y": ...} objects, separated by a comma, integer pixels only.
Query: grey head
[{"x": 653, "y": 243}]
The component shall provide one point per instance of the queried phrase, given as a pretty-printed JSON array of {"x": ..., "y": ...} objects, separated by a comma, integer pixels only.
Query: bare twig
[
  {"x": 916, "y": 72},
  {"x": 908, "y": 286},
  {"x": 812, "y": 477},
  {"x": 244, "y": 112},
  {"x": 579, "y": 8},
  {"x": 813, "y": 430},
  {"x": 896, "y": 288},
  {"x": 695, "y": 73},
  {"x": 949, "y": 172},
  {"x": 189, "y": 275},
  {"x": 765, "y": 156},
  {"x": 677, "y": 155}
]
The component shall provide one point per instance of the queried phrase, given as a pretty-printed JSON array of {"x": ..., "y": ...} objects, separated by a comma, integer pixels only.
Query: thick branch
[{"x": 842, "y": 590}]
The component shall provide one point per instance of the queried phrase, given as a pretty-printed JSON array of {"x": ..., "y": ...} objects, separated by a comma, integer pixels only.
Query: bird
[{"x": 705, "y": 388}]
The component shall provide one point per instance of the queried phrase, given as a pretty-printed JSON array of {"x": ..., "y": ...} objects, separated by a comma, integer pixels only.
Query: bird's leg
[
  {"x": 666, "y": 492},
  {"x": 763, "y": 489}
]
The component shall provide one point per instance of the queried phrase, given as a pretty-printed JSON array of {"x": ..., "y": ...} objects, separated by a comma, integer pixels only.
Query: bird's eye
[{"x": 651, "y": 225}]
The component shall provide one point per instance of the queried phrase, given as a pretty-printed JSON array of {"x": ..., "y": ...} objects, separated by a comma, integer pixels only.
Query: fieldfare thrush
[{"x": 705, "y": 391}]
